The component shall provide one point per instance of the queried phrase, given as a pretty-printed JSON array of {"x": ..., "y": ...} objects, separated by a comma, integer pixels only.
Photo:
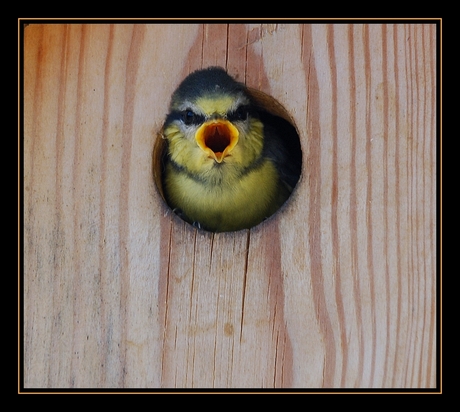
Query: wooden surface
[{"x": 338, "y": 289}]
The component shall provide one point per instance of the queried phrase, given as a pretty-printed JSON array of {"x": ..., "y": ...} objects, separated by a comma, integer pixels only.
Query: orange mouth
[{"x": 217, "y": 138}]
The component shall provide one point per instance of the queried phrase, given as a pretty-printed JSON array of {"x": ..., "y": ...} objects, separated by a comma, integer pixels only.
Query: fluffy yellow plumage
[{"x": 222, "y": 167}]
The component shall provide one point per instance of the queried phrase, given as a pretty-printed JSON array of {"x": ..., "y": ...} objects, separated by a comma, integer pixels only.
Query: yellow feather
[
  {"x": 211, "y": 105},
  {"x": 233, "y": 205},
  {"x": 237, "y": 194}
]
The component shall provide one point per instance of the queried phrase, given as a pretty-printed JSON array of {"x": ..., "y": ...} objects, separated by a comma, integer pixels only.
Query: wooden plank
[{"x": 338, "y": 289}]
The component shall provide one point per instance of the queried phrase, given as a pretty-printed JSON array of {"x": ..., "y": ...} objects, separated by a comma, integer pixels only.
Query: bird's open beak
[{"x": 217, "y": 138}]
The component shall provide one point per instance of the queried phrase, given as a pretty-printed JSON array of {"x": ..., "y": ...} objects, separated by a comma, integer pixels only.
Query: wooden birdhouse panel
[{"x": 337, "y": 289}]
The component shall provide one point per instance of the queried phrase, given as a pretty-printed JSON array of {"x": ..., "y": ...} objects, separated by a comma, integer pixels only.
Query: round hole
[{"x": 210, "y": 182}]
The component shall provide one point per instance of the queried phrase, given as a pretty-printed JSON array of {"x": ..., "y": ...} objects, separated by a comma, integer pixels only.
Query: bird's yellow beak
[{"x": 217, "y": 138}]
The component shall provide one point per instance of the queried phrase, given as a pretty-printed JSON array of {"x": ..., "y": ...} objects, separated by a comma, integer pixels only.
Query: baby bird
[{"x": 229, "y": 164}]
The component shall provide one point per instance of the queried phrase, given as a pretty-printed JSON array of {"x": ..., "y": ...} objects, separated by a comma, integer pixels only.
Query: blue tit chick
[{"x": 229, "y": 164}]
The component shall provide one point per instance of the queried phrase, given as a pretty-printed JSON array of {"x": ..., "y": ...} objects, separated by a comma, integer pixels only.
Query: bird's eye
[
  {"x": 188, "y": 117},
  {"x": 240, "y": 114}
]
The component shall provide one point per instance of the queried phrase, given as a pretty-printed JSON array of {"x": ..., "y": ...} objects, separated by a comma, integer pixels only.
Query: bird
[{"x": 229, "y": 164}]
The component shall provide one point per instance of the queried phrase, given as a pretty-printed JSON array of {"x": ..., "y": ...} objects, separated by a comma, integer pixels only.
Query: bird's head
[{"x": 212, "y": 121}]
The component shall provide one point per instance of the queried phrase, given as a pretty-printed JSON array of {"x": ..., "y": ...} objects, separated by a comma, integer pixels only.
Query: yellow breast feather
[{"x": 232, "y": 205}]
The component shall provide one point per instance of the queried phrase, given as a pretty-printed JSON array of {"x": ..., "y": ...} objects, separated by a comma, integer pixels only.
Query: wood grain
[{"x": 338, "y": 289}]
